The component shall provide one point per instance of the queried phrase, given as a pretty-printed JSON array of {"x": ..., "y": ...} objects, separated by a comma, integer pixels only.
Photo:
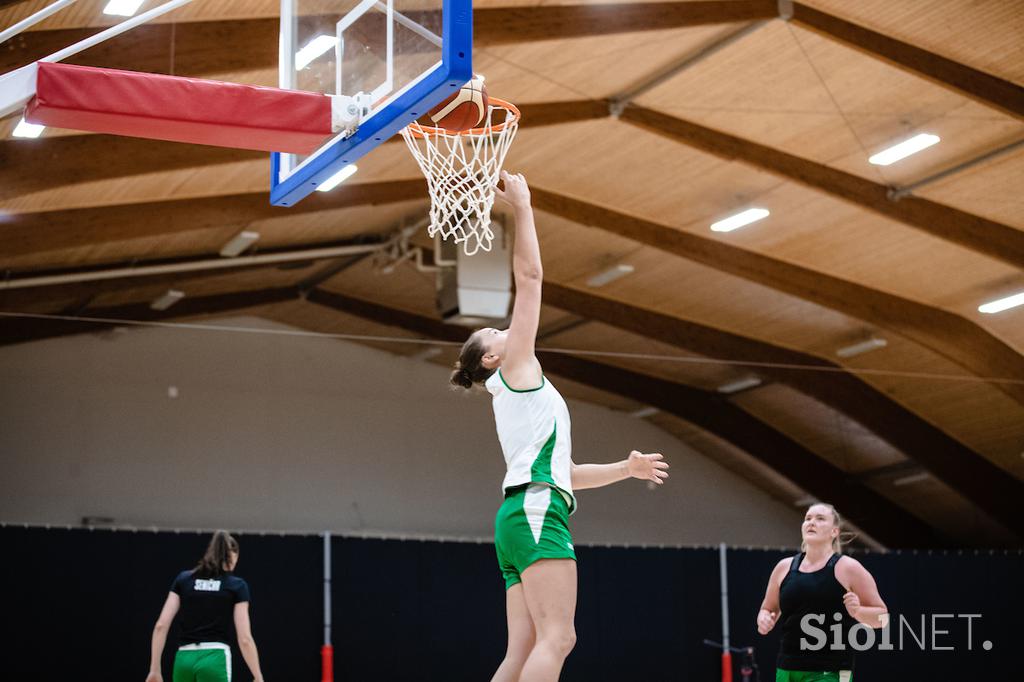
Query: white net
[{"x": 462, "y": 171}]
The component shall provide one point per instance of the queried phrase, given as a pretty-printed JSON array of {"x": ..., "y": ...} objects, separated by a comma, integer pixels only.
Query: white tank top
[{"x": 533, "y": 429}]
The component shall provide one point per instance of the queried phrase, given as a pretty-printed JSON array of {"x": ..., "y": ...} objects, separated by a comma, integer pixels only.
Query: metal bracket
[
  {"x": 617, "y": 106},
  {"x": 896, "y": 193},
  {"x": 348, "y": 111},
  {"x": 785, "y": 9}
]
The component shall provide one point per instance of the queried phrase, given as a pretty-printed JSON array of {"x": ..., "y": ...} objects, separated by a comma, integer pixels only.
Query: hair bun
[{"x": 461, "y": 377}]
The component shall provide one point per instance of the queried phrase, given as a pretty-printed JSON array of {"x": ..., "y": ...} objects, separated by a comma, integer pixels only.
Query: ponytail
[{"x": 218, "y": 555}]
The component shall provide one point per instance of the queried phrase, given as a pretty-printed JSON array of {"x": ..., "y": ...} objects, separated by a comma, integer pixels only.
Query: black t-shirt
[
  {"x": 208, "y": 605},
  {"x": 817, "y": 593}
]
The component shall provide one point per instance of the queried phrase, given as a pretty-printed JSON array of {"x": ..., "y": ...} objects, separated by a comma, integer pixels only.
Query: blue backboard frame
[{"x": 456, "y": 69}]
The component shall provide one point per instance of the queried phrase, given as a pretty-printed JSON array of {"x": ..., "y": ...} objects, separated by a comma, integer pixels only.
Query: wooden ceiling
[{"x": 757, "y": 110}]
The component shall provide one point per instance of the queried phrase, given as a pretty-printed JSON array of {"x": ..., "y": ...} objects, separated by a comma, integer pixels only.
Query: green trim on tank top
[{"x": 520, "y": 390}]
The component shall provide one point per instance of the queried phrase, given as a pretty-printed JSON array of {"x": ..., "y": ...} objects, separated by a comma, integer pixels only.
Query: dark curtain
[{"x": 80, "y": 604}]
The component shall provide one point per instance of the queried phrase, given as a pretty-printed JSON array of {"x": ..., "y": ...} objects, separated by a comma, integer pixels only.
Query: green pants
[
  {"x": 203, "y": 663},
  {"x": 811, "y": 676},
  {"x": 532, "y": 524}
]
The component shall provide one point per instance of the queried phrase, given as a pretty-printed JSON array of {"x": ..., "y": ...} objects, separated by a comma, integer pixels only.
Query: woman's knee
[{"x": 561, "y": 640}]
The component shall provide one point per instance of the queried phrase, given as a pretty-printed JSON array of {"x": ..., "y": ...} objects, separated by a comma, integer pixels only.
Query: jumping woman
[
  {"x": 209, "y": 597},
  {"x": 532, "y": 540},
  {"x": 823, "y": 582}
]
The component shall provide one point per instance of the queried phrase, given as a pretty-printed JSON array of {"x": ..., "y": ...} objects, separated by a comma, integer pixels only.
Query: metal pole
[
  {"x": 327, "y": 587},
  {"x": 193, "y": 266},
  {"x": 724, "y": 582},
  {"x": 114, "y": 31},
  {"x": 618, "y": 103},
  {"x": 327, "y": 651},
  {"x": 19, "y": 86},
  {"x": 34, "y": 19},
  {"x": 897, "y": 193},
  {"x": 724, "y": 576}
]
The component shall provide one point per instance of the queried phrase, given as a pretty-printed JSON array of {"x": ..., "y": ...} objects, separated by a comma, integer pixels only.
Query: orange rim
[{"x": 420, "y": 130}]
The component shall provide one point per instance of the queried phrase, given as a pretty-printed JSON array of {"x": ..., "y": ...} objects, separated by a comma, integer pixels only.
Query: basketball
[{"x": 464, "y": 110}]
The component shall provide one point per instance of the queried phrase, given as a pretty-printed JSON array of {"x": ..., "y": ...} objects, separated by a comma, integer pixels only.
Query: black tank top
[{"x": 821, "y": 594}]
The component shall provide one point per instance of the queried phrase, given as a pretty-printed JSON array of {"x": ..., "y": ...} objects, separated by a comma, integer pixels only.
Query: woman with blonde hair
[
  {"x": 824, "y": 587},
  {"x": 531, "y": 535},
  {"x": 209, "y": 597}
]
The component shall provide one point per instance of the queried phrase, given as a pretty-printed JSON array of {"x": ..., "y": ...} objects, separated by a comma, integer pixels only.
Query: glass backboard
[{"x": 389, "y": 60}]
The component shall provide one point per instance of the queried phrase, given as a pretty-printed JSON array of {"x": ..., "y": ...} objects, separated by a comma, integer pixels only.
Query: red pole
[
  {"x": 327, "y": 663},
  {"x": 726, "y": 666}
]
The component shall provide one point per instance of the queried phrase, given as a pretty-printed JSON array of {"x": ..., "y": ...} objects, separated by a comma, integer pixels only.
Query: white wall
[{"x": 291, "y": 433}]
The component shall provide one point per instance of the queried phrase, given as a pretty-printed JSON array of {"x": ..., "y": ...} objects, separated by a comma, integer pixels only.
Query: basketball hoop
[{"x": 462, "y": 171}]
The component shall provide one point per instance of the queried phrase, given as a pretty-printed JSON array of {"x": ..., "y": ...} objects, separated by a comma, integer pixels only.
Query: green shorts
[
  {"x": 812, "y": 676},
  {"x": 207, "y": 662},
  {"x": 532, "y": 524}
]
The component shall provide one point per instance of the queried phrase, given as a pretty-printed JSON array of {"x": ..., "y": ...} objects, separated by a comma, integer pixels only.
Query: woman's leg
[
  {"x": 520, "y": 636},
  {"x": 549, "y": 586}
]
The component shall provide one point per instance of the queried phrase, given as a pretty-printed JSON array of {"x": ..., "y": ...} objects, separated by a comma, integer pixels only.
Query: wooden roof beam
[
  {"x": 982, "y": 87},
  {"x": 985, "y": 485},
  {"x": 31, "y": 165},
  {"x": 503, "y": 25},
  {"x": 978, "y": 480},
  {"x": 959, "y": 339},
  {"x": 28, "y": 165},
  {"x": 981, "y": 235},
  {"x": 209, "y": 47},
  {"x": 954, "y": 337},
  {"x": 864, "y": 506},
  {"x": 24, "y": 233},
  {"x": 878, "y": 516},
  {"x": 205, "y": 47},
  {"x": 15, "y": 330}
]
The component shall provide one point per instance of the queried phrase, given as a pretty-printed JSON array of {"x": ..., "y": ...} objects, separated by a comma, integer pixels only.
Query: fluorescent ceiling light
[
  {"x": 865, "y": 346},
  {"x": 904, "y": 149},
  {"x": 913, "y": 478},
  {"x": 740, "y": 385},
  {"x": 1002, "y": 304},
  {"x": 26, "y": 129},
  {"x": 338, "y": 178},
  {"x": 167, "y": 300},
  {"x": 239, "y": 243},
  {"x": 122, "y": 8},
  {"x": 644, "y": 412},
  {"x": 610, "y": 275},
  {"x": 751, "y": 215},
  {"x": 313, "y": 49}
]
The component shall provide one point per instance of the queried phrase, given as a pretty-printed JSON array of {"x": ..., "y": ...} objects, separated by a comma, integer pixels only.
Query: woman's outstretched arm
[
  {"x": 650, "y": 467},
  {"x": 519, "y": 366}
]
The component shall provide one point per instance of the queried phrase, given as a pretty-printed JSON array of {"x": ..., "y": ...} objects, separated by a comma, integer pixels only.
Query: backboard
[{"x": 386, "y": 62}]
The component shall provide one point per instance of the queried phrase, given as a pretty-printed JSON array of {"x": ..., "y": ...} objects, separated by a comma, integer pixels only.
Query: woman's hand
[
  {"x": 516, "y": 193},
  {"x": 647, "y": 467},
  {"x": 155, "y": 677},
  {"x": 852, "y": 603},
  {"x": 766, "y": 621}
]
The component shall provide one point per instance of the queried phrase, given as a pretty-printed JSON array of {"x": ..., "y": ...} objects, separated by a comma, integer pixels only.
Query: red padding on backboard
[{"x": 179, "y": 109}]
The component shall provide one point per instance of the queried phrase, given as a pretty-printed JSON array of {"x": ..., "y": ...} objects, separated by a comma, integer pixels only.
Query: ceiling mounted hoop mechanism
[{"x": 462, "y": 169}]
